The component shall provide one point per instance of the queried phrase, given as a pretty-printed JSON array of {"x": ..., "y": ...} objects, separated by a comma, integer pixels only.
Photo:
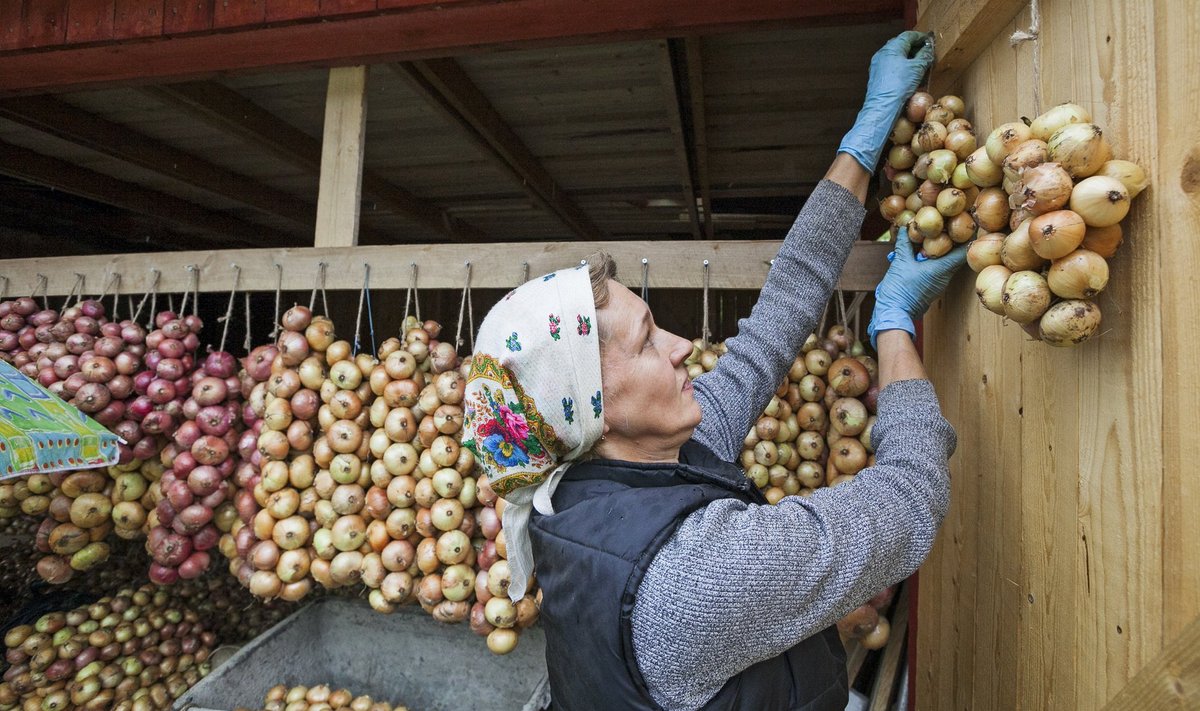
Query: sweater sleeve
[
  {"x": 739, "y": 583},
  {"x": 798, "y": 286}
]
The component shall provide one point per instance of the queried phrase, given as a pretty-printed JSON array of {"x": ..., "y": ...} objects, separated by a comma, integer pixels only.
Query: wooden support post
[
  {"x": 962, "y": 30},
  {"x": 340, "y": 192}
]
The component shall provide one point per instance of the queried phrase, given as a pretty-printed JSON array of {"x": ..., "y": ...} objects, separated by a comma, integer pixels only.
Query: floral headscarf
[{"x": 533, "y": 400}]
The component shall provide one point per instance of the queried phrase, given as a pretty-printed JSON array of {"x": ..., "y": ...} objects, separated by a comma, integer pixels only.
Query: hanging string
[
  {"x": 370, "y": 318},
  {"x": 645, "y": 280},
  {"x": 195, "y": 292},
  {"x": 4, "y": 293},
  {"x": 247, "y": 344},
  {"x": 170, "y": 302},
  {"x": 43, "y": 285},
  {"x": 1032, "y": 35},
  {"x": 237, "y": 276},
  {"x": 824, "y": 315},
  {"x": 319, "y": 284},
  {"x": 364, "y": 296},
  {"x": 462, "y": 311},
  {"x": 152, "y": 292},
  {"x": 413, "y": 296},
  {"x": 79, "y": 279},
  {"x": 116, "y": 284},
  {"x": 278, "y": 292},
  {"x": 187, "y": 293},
  {"x": 841, "y": 304},
  {"x": 706, "y": 333}
]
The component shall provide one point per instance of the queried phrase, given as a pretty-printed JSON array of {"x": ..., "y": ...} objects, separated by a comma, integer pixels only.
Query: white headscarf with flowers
[{"x": 533, "y": 399}]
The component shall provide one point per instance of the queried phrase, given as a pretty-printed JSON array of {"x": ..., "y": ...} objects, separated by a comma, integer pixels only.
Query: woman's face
[{"x": 649, "y": 407}]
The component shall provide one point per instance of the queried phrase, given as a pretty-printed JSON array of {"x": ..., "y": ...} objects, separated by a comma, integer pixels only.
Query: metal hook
[{"x": 645, "y": 280}]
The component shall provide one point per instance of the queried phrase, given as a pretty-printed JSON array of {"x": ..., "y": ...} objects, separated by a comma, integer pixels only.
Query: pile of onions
[
  {"x": 137, "y": 650},
  {"x": 940, "y": 177},
  {"x": 868, "y": 623},
  {"x": 321, "y": 698},
  {"x": 195, "y": 486},
  {"x": 1068, "y": 197}
]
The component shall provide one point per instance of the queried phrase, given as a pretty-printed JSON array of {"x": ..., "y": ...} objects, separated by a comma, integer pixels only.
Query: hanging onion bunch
[
  {"x": 134, "y": 651},
  {"x": 321, "y": 698},
  {"x": 202, "y": 458},
  {"x": 933, "y": 191},
  {"x": 1067, "y": 197}
]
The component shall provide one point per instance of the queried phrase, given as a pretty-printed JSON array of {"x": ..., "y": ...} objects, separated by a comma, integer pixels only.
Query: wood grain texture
[
  {"x": 238, "y": 13},
  {"x": 735, "y": 264},
  {"x": 1170, "y": 682},
  {"x": 1069, "y": 557},
  {"x": 181, "y": 16},
  {"x": 90, "y": 20},
  {"x": 962, "y": 31},
  {"x": 138, "y": 18},
  {"x": 43, "y": 22},
  {"x": 340, "y": 194},
  {"x": 280, "y": 10}
]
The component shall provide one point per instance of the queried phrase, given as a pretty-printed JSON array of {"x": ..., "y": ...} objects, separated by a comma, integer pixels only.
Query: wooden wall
[{"x": 1071, "y": 555}]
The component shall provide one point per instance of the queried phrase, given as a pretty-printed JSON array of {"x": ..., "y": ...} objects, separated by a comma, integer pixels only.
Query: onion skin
[
  {"x": 989, "y": 287},
  {"x": 1081, "y": 149},
  {"x": 1101, "y": 201},
  {"x": 1056, "y": 234},
  {"x": 1103, "y": 240},
  {"x": 985, "y": 251},
  {"x": 1026, "y": 297},
  {"x": 1079, "y": 275},
  {"x": 1069, "y": 323}
]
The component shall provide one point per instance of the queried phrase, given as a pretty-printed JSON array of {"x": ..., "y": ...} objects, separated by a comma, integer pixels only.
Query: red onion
[
  {"x": 170, "y": 368},
  {"x": 202, "y": 481},
  {"x": 79, "y": 343},
  {"x": 92, "y": 397},
  {"x": 158, "y": 422},
  {"x": 162, "y": 575},
  {"x": 146, "y": 448},
  {"x": 121, "y": 386},
  {"x": 171, "y": 348},
  {"x": 210, "y": 390},
  {"x": 141, "y": 405}
]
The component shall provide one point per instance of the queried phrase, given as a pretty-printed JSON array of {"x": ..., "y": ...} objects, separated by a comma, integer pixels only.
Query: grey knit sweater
[{"x": 739, "y": 583}]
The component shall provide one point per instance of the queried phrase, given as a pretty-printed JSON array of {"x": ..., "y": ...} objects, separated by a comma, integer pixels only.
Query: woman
[{"x": 667, "y": 581}]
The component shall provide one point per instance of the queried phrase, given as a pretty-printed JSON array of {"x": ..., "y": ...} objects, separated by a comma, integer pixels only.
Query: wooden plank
[
  {"x": 341, "y": 7},
  {"x": 427, "y": 31},
  {"x": 1169, "y": 682},
  {"x": 36, "y": 168},
  {"x": 138, "y": 18},
  {"x": 670, "y": 57},
  {"x": 60, "y": 119},
  {"x": 229, "y": 111},
  {"x": 893, "y": 655},
  {"x": 962, "y": 30},
  {"x": 735, "y": 264},
  {"x": 340, "y": 194},
  {"x": 238, "y": 13},
  {"x": 281, "y": 10},
  {"x": 695, "y": 65},
  {"x": 854, "y": 661},
  {"x": 43, "y": 22},
  {"x": 181, "y": 16},
  {"x": 90, "y": 20},
  {"x": 10, "y": 25},
  {"x": 1176, "y": 198},
  {"x": 446, "y": 86}
]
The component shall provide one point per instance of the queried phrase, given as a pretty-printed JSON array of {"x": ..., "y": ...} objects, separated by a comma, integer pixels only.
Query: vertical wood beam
[
  {"x": 670, "y": 58},
  {"x": 695, "y": 73},
  {"x": 340, "y": 192}
]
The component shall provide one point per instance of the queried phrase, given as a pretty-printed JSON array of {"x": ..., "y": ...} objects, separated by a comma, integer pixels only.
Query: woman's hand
[
  {"x": 910, "y": 286},
  {"x": 896, "y": 72}
]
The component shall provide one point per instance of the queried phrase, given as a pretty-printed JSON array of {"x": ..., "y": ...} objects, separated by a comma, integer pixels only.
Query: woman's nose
[{"x": 682, "y": 349}]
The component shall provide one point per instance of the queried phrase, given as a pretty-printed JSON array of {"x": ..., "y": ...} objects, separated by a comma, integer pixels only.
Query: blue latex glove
[
  {"x": 896, "y": 72},
  {"x": 910, "y": 286}
]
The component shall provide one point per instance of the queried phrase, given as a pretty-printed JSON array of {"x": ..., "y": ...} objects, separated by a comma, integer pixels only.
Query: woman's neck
[{"x": 638, "y": 450}]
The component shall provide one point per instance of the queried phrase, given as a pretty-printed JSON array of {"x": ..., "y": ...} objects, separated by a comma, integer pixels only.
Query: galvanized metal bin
[{"x": 405, "y": 657}]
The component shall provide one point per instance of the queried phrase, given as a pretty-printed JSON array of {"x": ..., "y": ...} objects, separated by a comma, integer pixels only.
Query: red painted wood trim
[
  {"x": 239, "y": 13},
  {"x": 90, "y": 20},
  {"x": 281, "y": 10},
  {"x": 138, "y": 18},
  {"x": 342, "y": 7},
  {"x": 425, "y": 32},
  {"x": 44, "y": 22},
  {"x": 181, "y": 16},
  {"x": 10, "y": 25}
]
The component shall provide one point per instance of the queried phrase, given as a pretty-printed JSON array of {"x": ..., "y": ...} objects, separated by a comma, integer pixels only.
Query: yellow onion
[
  {"x": 1026, "y": 155},
  {"x": 901, "y": 157},
  {"x": 917, "y": 105},
  {"x": 961, "y": 142},
  {"x": 1018, "y": 216},
  {"x": 1017, "y": 253},
  {"x": 1026, "y": 297},
  {"x": 930, "y": 137},
  {"x": 891, "y": 206},
  {"x": 989, "y": 287},
  {"x": 914, "y": 202},
  {"x": 903, "y": 131},
  {"x": 1041, "y": 189},
  {"x": 1130, "y": 174},
  {"x": 960, "y": 124},
  {"x": 1080, "y": 275},
  {"x": 960, "y": 179},
  {"x": 1004, "y": 140},
  {"x": 942, "y": 163},
  {"x": 929, "y": 192},
  {"x": 920, "y": 169},
  {"x": 1056, "y": 234},
  {"x": 1081, "y": 148},
  {"x": 902, "y": 220},
  {"x": 991, "y": 209},
  {"x": 904, "y": 184},
  {"x": 938, "y": 114},
  {"x": 961, "y": 228},
  {"x": 1100, "y": 200},
  {"x": 985, "y": 251},
  {"x": 1069, "y": 323},
  {"x": 1103, "y": 240},
  {"x": 914, "y": 234},
  {"x": 928, "y": 221},
  {"x": 937, "y": 246},
  {"x": 982, "y": 171},
  {"x": 954, "y": 103},
  {"x": 1044, "y": 126},
  {"x": 951, "y": 202}
]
